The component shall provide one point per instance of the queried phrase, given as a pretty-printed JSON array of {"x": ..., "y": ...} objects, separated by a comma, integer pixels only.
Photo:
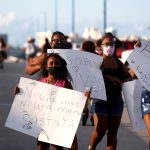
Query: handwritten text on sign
[
  {"x": 84, "y": 68},
  {"x": 139, "y": 60},
  {"x": 48, "y": 110}
]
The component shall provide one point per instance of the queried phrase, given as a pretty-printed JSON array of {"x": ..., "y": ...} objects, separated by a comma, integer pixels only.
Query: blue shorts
[
  {"x": 112, "y": 107},
  {"x": 145, "y": 102}
]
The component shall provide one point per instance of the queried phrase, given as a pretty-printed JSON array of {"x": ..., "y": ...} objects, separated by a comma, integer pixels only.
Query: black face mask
[
  {"x": 60, "y": 45},
  {"x": 55, "y": 71}
]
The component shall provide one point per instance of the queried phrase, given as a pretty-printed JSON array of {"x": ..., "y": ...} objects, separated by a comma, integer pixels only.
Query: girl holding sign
[
  {"x": 55, "y": 72},
  {"x": 107, "y": 114}
]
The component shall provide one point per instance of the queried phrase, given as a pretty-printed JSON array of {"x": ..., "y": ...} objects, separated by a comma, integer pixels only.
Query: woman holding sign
[
  {"x": 145, "y": 100},
  {"x": 145, "y": 105},
  {"x": 107, "y": 114}
]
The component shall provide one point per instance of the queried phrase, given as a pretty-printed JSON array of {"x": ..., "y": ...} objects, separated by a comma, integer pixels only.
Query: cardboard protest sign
[
  {"x": 132, "y": 95},
  {"x": 48, "y": 110},
  {"x": 139, "y": 60},
  {"x": 84, "y": 68}
]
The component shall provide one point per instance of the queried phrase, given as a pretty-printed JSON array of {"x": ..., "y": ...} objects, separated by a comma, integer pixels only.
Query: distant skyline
[{"x": 20, "y": 19}]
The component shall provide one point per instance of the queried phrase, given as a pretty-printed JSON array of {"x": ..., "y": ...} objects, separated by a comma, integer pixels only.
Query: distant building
[{"x": 92, "y": 34}]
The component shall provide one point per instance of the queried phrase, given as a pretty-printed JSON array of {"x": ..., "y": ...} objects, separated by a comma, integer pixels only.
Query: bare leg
[
  {"x": 100, "y": 127},
  {"x": 113, "y": 125},
  {"x": 147, "y": 123}
]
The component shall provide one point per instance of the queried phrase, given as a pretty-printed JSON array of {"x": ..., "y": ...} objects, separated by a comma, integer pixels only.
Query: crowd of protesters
[{"x": 105, "y": 115}]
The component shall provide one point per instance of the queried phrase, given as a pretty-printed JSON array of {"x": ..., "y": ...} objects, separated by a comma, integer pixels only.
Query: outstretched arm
[{"x": 35, "y": 64}]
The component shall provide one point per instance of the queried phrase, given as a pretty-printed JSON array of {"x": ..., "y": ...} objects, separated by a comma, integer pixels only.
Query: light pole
[
  {"x": 73, "y": 16},
  {"x": 105, "y": 15},
  {"x": 56, "y": 15}
]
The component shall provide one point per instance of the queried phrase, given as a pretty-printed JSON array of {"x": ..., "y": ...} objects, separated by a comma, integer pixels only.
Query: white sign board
[
  {"x": 139, "y": 60},
  {"x": 48, "y": 110},
  {"x": 132, "y": 95},
  {"x": 84, "y": 68}
]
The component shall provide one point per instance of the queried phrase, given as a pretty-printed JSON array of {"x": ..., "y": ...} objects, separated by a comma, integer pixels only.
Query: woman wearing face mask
[{"x": 107, "y": 114}]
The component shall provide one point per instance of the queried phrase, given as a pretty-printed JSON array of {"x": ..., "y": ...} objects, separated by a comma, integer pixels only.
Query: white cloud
[{"x": 6, "y": 20}]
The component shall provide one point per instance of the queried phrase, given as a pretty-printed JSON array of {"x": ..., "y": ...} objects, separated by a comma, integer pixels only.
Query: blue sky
[{"x": 23, "y": 18}]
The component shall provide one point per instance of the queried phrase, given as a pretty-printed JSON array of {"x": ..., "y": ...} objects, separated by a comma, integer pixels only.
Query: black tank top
[{"x": 112, "y": 88}]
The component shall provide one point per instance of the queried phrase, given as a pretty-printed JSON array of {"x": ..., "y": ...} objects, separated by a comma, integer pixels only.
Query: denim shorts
[
  {"x": 145, "y": 102},
  {"x": 112, "y": 107}
]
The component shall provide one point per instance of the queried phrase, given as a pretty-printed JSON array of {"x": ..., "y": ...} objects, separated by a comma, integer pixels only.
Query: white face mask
[{"x": 109, "y": 50}]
